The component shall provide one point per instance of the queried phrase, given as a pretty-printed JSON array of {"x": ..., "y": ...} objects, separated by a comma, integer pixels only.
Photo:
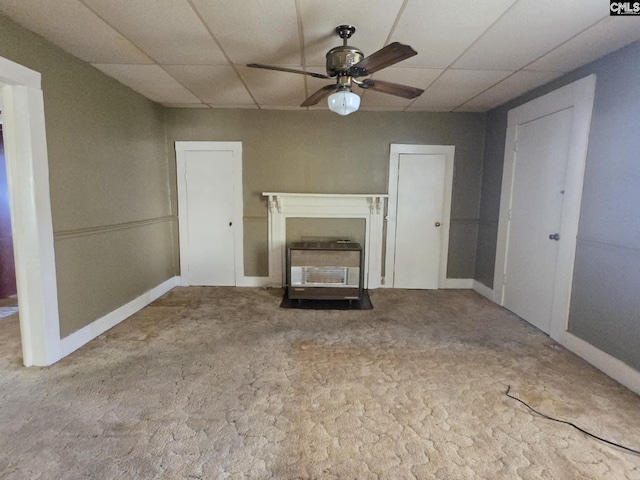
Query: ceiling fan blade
[
  {"x": 289, "y": 70},
  {"x": 319, "y": 95},
  {"x": 391, "y": 54},
  {"x": 396, "y": 89}
]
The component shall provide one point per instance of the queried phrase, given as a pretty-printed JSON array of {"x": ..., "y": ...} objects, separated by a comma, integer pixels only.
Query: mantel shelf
[{"x": 324, "y": 195}]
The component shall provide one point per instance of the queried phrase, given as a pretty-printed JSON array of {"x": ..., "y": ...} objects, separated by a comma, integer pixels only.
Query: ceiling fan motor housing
[{"x": 340, "y": 59}]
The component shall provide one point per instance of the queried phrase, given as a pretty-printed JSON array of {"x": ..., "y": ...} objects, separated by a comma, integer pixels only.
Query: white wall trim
[
  {"x": 83, "y": 336},
  {"x": 578, "y": 95},
  {"x": 464, "y": 283},
  {"x": 394, "y": 158},
  {"x": 32, "y": 225},
  {"x": 369, "y": 207},
  {"x": 13, "y": 73},
  {"x": 483, "y": 290},
  {"x": 183, "y": 232},
  {"x": 616, "y": 369}
]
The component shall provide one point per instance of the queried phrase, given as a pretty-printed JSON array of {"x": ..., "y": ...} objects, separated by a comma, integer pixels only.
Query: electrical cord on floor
[{"x": 631, "y": 450}]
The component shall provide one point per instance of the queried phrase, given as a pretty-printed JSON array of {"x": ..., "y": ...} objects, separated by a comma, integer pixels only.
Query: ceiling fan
[{"x": 346, "y": 64}]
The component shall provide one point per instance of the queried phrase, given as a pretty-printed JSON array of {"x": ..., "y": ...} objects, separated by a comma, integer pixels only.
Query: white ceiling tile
[
  {"x": 372, "y": 99},
  {"x": 440, "y": 30},
  {"x": 219, "y": 85},
  {"x": 414, "y": 77},
  {"x": 244, "y": 107},
  {"x": 281, "y": 107},
  {"x": 254, "y": 31},
  {"x": 511, "y": 87},
  {"x": 167, "y": 30},
  {"x": 529, "y": 30},
  {"x": 444, "y": 108},
  {"x": 608, "y": 35},
  {"x": 74, "y": 28},
  {"x": 365, "y": 108},
  {"x": 151, "y": 81},
  {"x": 455, "y": 87},
  {"x": 185, "y": 105},
  {"x": 272, "y": 89},
  {"x": 373, "y": 20}
]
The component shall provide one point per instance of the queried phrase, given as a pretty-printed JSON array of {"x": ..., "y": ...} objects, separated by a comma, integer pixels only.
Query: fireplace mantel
[{"x": 369, "y": 207}]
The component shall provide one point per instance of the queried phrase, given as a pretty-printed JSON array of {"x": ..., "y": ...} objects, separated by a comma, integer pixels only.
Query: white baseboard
[
  {"x": 253, "y": 282},
  {"x": 81, "y": 337},
  {"x": 616, "y": 369},
  {"x": 466, "y": 283},
  {"x": 483, "y": 290},
  {"x": 242, "y": 282}
]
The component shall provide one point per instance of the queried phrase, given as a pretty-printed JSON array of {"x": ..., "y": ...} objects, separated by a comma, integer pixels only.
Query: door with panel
[
  {"x": 540, "y": 167},
  {"x": 418, "y": 220},
  {"x": 207, "y": 214},
  {"x": 544, "y": 163}
]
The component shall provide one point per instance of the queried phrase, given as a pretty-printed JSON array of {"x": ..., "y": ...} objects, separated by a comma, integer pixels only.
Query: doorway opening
[
  {"x": 27, "y": 168},
  {"x": 8, "y": 289}
]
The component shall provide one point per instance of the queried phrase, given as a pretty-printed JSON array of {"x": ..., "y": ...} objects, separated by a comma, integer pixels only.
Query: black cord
[{"x": 636, "y": 452}]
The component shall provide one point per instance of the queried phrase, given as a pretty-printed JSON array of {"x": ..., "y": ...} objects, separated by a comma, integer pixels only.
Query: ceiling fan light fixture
[
  {"x": 346, "y": 63},
  {"x": 343, "y": 102}
]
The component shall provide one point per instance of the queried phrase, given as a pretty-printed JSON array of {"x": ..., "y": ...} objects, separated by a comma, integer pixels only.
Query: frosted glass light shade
[{"x": 343, "y": 102}]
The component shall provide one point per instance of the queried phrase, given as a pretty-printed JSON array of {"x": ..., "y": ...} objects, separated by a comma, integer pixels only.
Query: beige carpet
[{"x": 211, "y": 383}]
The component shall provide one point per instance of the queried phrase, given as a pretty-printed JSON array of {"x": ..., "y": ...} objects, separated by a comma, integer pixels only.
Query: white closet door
[
  {"x": 209, "y": 178},
  {"x": 544, "y": 163},
  {"x": 536, "y": 213},
  {"x": 421, "y": 182},
  {"x": 211, "y": 247}
]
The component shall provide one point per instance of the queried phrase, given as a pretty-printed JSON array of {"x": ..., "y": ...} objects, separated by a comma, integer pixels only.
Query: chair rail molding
[{"x": 369, "y": 207}]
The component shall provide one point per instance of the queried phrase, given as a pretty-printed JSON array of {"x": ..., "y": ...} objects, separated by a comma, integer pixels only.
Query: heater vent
[{"x": 323, "y": 270}]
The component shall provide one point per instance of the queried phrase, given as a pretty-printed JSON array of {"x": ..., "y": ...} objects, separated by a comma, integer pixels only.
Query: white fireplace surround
[{"x": 369, "y": 207}]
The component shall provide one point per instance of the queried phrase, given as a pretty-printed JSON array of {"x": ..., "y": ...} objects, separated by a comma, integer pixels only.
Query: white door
[
  {"x": 544, "y": 162},
  {"x": 418, "y": 220},
  {"x": 208, "y": 213},
  {"x": 540, "y": 167}
]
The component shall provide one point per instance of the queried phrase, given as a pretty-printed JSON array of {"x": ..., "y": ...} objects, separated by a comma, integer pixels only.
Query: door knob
[
  {"x": 437, "y": 224},
  {"x": 554, "y": 236},
  {"x": 230, "y": 223}
]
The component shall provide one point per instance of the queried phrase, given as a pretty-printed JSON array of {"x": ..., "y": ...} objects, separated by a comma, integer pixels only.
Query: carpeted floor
[{"x": 221, "y": 383}]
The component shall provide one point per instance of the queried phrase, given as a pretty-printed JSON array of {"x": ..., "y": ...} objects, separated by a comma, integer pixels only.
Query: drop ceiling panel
[
  {"x": 529, "y": 30},
  {"x": 151, "y": 81},
  {"x": 606, "y": 36},
  {"x": 254, "y": 31},
  {"x": 517, "y": 84},
  {"x": 169, "y": 31},
  {"x": 74, "y": 28},
  {"x": 274, "y": 89},
  {"x": 441, "y": 30},
  {"x": 214, "y": 85},
  {"x": 414, "y": 77},
  {"x": 132, "y": 40},
  {"x": 373, "y": 20},
  {"x": 455, "y": 87}
]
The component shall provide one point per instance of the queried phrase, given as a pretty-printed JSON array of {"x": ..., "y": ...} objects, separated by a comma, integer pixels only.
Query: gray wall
[
  {"x": 321, "y": 152},
  {"x": 605, "y": 303},
  {"x": 113, "y": 230}
]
